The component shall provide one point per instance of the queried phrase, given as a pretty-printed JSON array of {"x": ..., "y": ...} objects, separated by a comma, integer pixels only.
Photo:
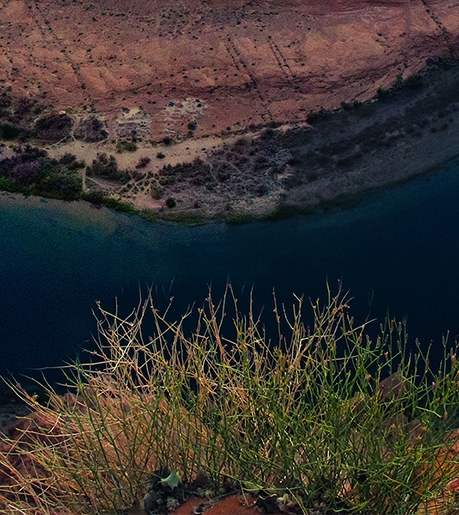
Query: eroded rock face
[{"x": 250, "y": 62}]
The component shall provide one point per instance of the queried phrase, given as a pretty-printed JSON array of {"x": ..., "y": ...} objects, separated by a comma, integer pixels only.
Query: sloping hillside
[{"x": 215, "y": 64}]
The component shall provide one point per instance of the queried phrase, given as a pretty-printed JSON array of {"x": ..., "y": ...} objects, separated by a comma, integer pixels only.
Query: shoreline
[
  {"x": 388, "y": 142},
  {"x": 333, "y": 160},
  {"x": 402, "y": 134}
]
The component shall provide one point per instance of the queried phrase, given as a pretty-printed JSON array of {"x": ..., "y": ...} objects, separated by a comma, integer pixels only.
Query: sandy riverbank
[
  {"x": 339, "y": 156},
  {"x": 201, "y": 73}
]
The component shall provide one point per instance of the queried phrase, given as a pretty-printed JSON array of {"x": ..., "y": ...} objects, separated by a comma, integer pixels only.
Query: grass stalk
[{"x": 324, "y": 417}]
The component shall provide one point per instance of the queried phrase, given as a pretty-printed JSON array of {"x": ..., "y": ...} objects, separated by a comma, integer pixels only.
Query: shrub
[
  {"x": 5, "y": 100},
  {"x": 9, "y": 131},
  {"x": 414, "y": 81},
  {"x": 6, "y": 184},
  {"x": 95, "y": 197},
  {"x": 156, "y": 190},
  {"x": 23, "y": 107},
  {"x": 91, "y": 129},
  {"x": 106, "y": 167},
  {"x": 67, "y": 159},
  {"x": 53, "y": 127},
  {"x": 31, "y": 171},
  {"x": 170, "y": 202},
  {"x": 26, "y": 172},
  {"x": 142, "y": 163},
  {"x": 118, "y": 205},
  {"x": 70, "y": 162},
  {"x": 318, "y": 116},
  {"x": 326, "y": 419},
  {"x": 242, "y": 142},
  {"x": 61, "y": 184},
  {"x": 384, "y": 94},
  {"x": 125, "y": 146}
]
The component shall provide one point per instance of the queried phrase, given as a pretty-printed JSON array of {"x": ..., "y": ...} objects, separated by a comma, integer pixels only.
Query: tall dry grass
[{"x": 306, "y": 417}]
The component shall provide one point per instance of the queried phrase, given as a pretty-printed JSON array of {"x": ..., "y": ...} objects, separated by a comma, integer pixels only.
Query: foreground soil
[
  {"x": 15, "y": 417},
  {"x": 185, "y": 80}
]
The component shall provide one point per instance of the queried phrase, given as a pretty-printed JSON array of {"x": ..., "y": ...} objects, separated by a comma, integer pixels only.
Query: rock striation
[{"x": 235, "y": 62}]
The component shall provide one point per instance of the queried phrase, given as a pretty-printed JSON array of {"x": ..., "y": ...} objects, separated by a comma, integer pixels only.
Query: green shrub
[
  {"x": 414, "y": 81},
  {"x": 318, "y": 116},
  {"x": 118, "y": 205},
  {"x": 125, "y": 146},
  {"x": 384, "y": 94},
  {"x": 171, "y": 202},
  {"x": 323, "y": 420},
  {"x": 6, "y": 184},
  {"x": 71, "y": 163},
  {"x": 63, "y": 185},
  {"x": 142, "y": 162},
  {"x": 9, "y": 131},
  {"x": 95, "y": 197},
  {"x": 5, "y": 100},
  {"x": 53, "y": 127},
  {"x": 32, "y": 172},
  {"x": 156, "y": 190},
  {"x": 105, "y": 167}
]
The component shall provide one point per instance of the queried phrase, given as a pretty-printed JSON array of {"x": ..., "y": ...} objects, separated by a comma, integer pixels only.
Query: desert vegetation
[
  {"x": 26, "y": 118},
  {"x": 32, "y": 171},
  {"x": 247, "y": 168},
  {"x": 266, "y": 171},
  {"x": 106, "y": 167},
  {"x": 319, "y": 418},
  {"x": 125, "y": 146}
]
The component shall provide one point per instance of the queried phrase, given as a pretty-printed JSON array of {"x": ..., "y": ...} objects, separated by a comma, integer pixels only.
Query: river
[{"x": 396, "y": 252}]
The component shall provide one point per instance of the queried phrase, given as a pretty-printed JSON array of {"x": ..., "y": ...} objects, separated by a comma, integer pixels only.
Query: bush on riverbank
[
  {"x": 326, "y": 419},
  {"x": 32, "y": 172},
  {"x": 106, "y": 167}
]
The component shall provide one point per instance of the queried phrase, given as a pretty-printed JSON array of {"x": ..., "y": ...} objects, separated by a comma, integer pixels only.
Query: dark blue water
[{"x": 398, "y": 252}]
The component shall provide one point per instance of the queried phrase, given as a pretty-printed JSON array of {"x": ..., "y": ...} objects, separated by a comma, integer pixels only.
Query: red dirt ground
[
  {"x": 234, "y": 505},
  {"x": 237, "y": 62}
]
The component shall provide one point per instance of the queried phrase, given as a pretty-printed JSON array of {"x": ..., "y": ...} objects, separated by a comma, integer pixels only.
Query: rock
[
  {"x": 394, "y": 387},
  {"x": 91, "y": 129},
  {"x": 283, "y": 60}
]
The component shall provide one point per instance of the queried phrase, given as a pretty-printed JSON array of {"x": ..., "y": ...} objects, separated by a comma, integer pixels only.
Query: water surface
[{"x": 397, "y": 251}]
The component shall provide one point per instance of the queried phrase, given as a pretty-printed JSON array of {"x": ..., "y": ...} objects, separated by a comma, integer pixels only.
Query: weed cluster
[
  {"x": 125, "y": 146},
  {"x": 324, "y": 420}
]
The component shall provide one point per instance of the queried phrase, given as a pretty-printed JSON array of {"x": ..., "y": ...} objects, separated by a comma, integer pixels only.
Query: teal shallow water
[{"x": 397, "y": 251}]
